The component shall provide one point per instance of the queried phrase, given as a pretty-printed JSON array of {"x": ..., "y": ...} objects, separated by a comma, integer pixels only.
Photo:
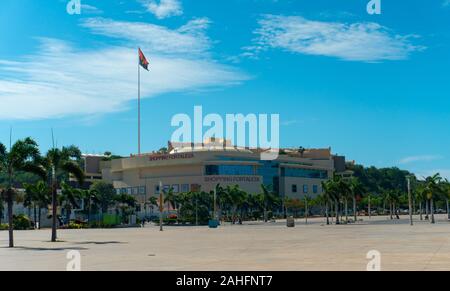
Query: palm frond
[
  {"x": 74, "y": 169},
  {"x": 36, "y": 169}
]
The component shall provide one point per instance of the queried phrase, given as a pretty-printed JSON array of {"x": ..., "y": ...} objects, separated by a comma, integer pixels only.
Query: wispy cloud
[
  {"x": 361, "y": 41},
  {"x": 420, "y": 158},
  {"x": 189, "y": 38},
  {"x": 89, "y": 9},
  {"x": 163, "y": 8},
  {"x": 60, "y": 79}
]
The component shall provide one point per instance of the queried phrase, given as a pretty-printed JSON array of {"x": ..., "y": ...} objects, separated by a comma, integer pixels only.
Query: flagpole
[{"x": 139, "y": 107}]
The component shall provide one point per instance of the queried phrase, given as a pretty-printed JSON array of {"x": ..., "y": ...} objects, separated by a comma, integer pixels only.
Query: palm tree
[
  {"x": 93, "y": 199},
  {"x": 268, "y": 200},
  {"x": 237, "y": 198},
  {"x": 420, "y": 197},
  {"x": 60, "y": 163},
  {"x": 327, "y": 195},
  {"x": 357, "y": 190},
  {"x": 388, "y": 197},
  {"x": 69, "y": 199},
  {"x": 30, "y": 201},
  {"x": 340, "y": 189},
  {"x": 37, "y": 195},
  {"x": 446, "y": 192},
  {"x": 127, "y": 204},
  {"x": 153, "y": 201},
  {"x": 171, "y": 199},
  {"x": 307, "y": 201},
  {"x": 2, "y": 207},
  {"x": 221, "y": 196},
  {"x": 432, "y": 188},
  {"x": 22, "y": 156}
]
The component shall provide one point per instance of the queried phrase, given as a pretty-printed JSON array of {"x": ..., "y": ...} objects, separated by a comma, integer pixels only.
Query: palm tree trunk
[
  {"x": 306, "y": 212},
  {"x": 354, "y": 209},
  {"x": 326, "y": 213},
  {"x": 39, "y": 217},
  {"x": 420, "y": 210},
  {"x": 69, "y": 213},
  {"x": 432, "y": 210},
  {"x": 390, "y": 210},
  {"x": 336, "y": 208},
  {"x": 10, "y": 219},
  {"x": 448, "y": 209},
  {"x": 89, "y": 211},
  {"x": 35, "y": 216},
  {"x": 346, "y": 210},
  {"x": 427, "y": 209},
  {"x": 196, "y": 212},
  {"x": 54, "y": 206}
]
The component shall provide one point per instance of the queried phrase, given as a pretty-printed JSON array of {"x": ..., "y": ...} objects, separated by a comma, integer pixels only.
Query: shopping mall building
[{"x": 295, "y": 173}]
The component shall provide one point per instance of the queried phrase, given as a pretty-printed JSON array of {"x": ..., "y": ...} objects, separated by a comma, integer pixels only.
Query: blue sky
[{"x": 373, "y": 87}]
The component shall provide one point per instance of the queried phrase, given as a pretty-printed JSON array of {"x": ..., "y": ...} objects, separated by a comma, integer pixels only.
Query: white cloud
[
  {"x": 422, "y": 158},
  {"x": 89, "y": 9},
  {"x": 368, "y": 42},
  {"x": 61, "y": 80},
  {"x": 189, "y": 38},
  {"x": 163, "y": 8}
]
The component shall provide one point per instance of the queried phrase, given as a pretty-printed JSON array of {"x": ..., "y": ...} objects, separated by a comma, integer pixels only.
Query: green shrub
[
  {"x": 76, "y": 225},
  {"x": 3, "y": 227},
  {"x": 22, "y": 222}
]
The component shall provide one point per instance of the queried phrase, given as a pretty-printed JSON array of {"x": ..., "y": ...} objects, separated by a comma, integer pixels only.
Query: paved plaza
[{"x": 252, "y": 246}]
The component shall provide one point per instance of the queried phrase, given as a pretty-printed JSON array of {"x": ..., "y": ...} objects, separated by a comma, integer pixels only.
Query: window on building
[
  {"x": 294, "y": 188},
  {"x": 157, "y": 189},
  {"x": 196, "y": 187},
  {"x": 118, "y": 191},
  {"x": 166, "y": 188},
  {"x": 142, "y": 190},
  {"x": 304, "y": 173},
  {"x": 315, "y": 189},
  {"x": 184, "y": 188},
  {"x": 305, "y": 189},
  {"x": 135, "y": 190},
  {"x": 229, "y": 170},
  {"x": 176, "y": 188}
]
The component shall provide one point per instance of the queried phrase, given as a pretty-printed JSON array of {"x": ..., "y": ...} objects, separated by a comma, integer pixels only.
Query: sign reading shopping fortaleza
[
  {"x": 233, "y": 179},
  {"x": 171, "y": 157}
]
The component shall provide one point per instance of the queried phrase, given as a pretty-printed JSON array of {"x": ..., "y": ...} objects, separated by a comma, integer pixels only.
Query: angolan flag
[{"x": 142, "y": 60}]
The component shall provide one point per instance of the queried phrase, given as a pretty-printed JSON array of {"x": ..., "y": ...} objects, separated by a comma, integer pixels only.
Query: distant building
[{"x": 189, "y": 167}]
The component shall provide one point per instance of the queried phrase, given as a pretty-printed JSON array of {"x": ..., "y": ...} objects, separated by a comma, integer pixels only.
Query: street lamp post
[{"x": 408, "y": 178}]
